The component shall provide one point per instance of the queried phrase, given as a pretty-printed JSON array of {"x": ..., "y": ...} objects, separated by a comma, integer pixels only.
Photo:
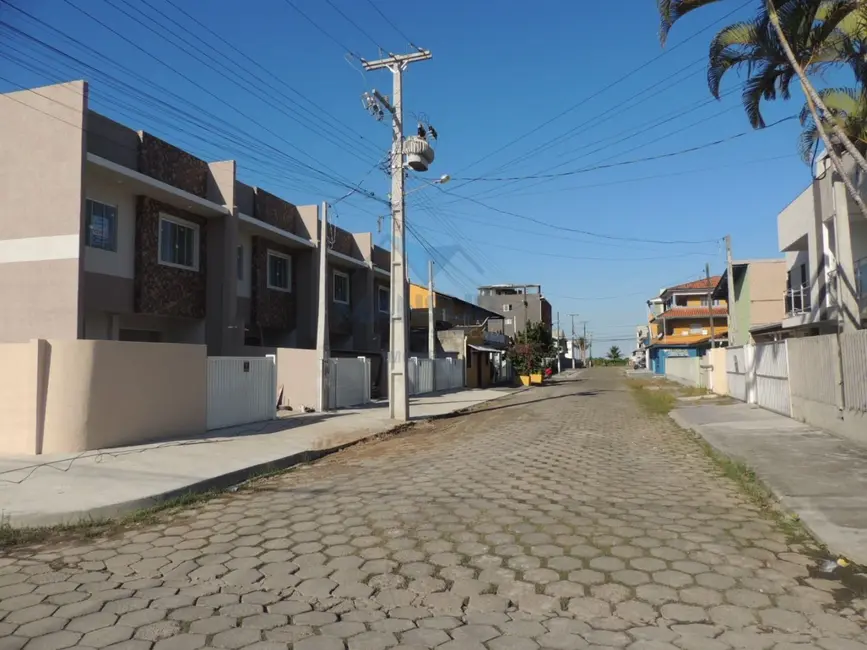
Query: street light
[{"x": 442, "y": 180}]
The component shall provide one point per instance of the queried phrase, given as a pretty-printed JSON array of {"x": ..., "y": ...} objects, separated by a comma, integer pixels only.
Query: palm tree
[
  {"x": 823, "y": 32},
  {"x": 847, "y": 107},
  {"x": 614, "y": 353}
]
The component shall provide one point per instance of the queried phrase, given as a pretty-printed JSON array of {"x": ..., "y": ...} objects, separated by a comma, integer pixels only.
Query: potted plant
[{"x": 528, "y": 352}]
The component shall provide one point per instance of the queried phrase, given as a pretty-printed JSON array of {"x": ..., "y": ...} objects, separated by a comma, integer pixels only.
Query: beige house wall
[
  {"x": 767, "y": 292},
  {"x": 41, "y": 168},
  {"x": 120, "y": 263},
  {"x": 297, "y": 372},
  {"x": 718, "y": 379},
  {"x": 63, "y": 396}
]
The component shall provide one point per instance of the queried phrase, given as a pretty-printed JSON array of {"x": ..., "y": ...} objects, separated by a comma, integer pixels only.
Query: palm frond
[{"x": 670, "y": 11}]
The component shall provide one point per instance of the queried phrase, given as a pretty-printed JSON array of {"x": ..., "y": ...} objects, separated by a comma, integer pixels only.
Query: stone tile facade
[
  {"x": 270, "y": 308},
  {"x": 275, "y": 211},
  {"x": 160, "y": 289},
  {"x": 169, "y": 164}
]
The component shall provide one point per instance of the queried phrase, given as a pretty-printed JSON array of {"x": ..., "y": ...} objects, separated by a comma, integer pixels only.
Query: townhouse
[
  {"x": 110, "y": 233},
  {"x": 824, "y": 238},
  {"x": 518, "y": 304},
  {"x": 684, "y": 321}
]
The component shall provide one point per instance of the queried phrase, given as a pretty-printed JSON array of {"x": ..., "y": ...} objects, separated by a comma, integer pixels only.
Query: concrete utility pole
[
  {"x": 431, "y": 322},
  {"x": 572, "y": 316},
  {"x": 559, "y": 339},
  {"x": 322, "y": 343},
  {"x": 398, "y": 393},
  {"x": 584, "y": 347},
  {"x": 710, "y": 304},
  {"x": 732, "y": 322}
]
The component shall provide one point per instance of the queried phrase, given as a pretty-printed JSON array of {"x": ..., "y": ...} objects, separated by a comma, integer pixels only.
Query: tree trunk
[
  {"x": 816, "y": 105},
  {"x": 835, "y": 160}
]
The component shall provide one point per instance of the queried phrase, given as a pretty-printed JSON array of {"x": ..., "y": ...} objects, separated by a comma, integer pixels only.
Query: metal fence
[
  {"x": 813, "y": 369},
  {"x": 429, "y": 375},
  {"x": 853, "y": 349},
  {"x": 421, "y": 376},
  {"x": 772, "y": 377},
  {"x": 349, "y": 382},
  {"x": 241, "y": 390},
  {"x": 736, "y": 372}
]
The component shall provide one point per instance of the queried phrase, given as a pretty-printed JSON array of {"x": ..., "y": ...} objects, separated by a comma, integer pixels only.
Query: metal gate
[
  {"x": 241, "y": 390},
  {"x": 349, "y": 382},
  {"x": 772, "y": 377},
  {"x": 736, "y": 371}
]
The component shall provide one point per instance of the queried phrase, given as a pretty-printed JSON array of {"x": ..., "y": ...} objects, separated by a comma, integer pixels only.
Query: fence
[
  {"x": 772, "y": 377},
  {"x": 686, "y": 370},
  {"x": 736, "y": 372},
  {"x": 241, "y": 390},
  {"x": 821, "y": 380},
  {"x": 447, "y": 373},
  {"x": 421, "y": 376},
  {"x": 349, "y": 382}
]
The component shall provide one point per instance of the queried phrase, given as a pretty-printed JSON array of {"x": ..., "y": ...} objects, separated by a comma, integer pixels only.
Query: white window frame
[
  {"x": 183, "y": 223},
  {"x": 87, "y": 217},
  {"x": 380, "y": 290},
  {"x": 240, "y": 258},
  {"x": 507, "y": 308},
  {"x": 334, "y": 276},
  {"x": 281, "y": 256}
]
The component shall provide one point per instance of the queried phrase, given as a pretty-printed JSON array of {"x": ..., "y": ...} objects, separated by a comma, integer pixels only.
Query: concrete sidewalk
[
  {"x": 54, "y": 489},
  {"x": 821, "y": 478}
]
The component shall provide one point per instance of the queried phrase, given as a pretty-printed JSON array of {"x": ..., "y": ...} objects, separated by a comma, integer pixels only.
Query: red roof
[
  {"x": 704, "y": 283},
  {"x": 693, "y": 312}
]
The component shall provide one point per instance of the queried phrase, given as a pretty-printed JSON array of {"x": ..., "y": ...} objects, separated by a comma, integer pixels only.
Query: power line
[
  {"x": 356, "y": 25},
  {"x": 634, "y": 161},
  {"x": 578, "y": 230},
  {"x": 610, "y": 85},
  {"x": 322, "y": 30},
  {"x": 389, "y": 21}
]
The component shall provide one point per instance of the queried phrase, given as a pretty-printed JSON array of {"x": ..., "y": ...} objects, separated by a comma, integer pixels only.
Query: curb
[
  {"x": 782, "y": 500},
  {"x": 221, "y": 482}
]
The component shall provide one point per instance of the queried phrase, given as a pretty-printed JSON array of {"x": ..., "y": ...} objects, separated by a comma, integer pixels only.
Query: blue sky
[{"x": 498, "y": 77}]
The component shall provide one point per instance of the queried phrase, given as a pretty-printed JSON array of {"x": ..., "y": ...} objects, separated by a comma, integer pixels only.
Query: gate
[
  {"x": 736, "y": 372},
  {"x": 772, "y": 377},
  {"x": 349, "y": 382},
  {"x": 421, "y": 377},
  {"x": 241, "y": 390}
]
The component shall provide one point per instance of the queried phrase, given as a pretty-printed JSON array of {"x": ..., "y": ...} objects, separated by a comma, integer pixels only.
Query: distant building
[{"x": 518, "y": 304}]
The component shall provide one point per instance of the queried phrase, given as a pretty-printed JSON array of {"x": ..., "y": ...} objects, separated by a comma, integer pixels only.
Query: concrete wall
[
  {"x": 793, "y": 223},
  {"x": 685, "y": 370},
  {"x": 41, "y": 169},
  {"x": 62, "y": 396},
  {"x": 767, "y": 282},
  {"x": 297, "y": 372},
  {"x": 717, "y": 376}
]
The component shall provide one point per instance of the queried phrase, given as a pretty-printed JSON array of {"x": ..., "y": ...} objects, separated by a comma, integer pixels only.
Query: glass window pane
[
  {"x": 166, "y": 243},
  {"x": 240, "y": 262},
  {"x": 189, "y": 248}
]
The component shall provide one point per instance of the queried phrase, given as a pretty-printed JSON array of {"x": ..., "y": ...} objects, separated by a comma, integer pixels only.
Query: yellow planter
[
  {"x": 525, "y": 380},
  {"x": 536, "y": 378}
]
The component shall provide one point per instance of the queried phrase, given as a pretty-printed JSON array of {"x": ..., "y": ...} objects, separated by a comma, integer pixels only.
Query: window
[
  {"x": 179, "y": 243},
  {"x": 803, "y": 274},
  {"x": 279, "y": 271},
  {"x": 696, "y": 328},
  {"x": 383, "y": 297},
  {"x": 507, "y": 307},
  {"x": 101, "y": 225},
  {"x": 716, "y": 302},
  {"x": 341, "y": 287},
  {"x": 240, "y": 262},
  {"x": 508, "y": 321}
]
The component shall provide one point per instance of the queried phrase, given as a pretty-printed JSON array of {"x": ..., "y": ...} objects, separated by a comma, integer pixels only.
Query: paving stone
[
  {"x": 320, "y": 643},
  {"x": 161, "y": 629},
  {"x": 372, "y": 641},
  {"x": 236, "y": 638},
  {"x": 181, "y": 642},
  {"x": 106, "y": 636},
  {"x": 53, "y": 641}
]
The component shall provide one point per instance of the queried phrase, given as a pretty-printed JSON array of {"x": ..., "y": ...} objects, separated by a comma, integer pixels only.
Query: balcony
[{"x": 798, "y": 301}]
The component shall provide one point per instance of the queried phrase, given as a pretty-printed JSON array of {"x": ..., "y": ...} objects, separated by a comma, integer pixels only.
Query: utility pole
[
  {"x": 710, "y": 304},
  {"x": 584, "y": 346},
  {"x": 572, "y": 316},
  {"x": 322, "y": 344},
  {"x": 732, "y": 322},
  {"x": 559, "y": 339},
  {"x": 398, "y": 393}
]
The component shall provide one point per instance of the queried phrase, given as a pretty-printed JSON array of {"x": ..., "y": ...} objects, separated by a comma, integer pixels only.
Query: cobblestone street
[{"x": 562, "y": 517}]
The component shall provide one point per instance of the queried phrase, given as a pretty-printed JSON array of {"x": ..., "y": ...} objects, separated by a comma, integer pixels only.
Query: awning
[{"x": 483, "y": 348}]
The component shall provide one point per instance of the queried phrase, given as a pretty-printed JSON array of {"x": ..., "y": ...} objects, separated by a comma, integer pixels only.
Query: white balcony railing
[{"x": 798, "y": 300}]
